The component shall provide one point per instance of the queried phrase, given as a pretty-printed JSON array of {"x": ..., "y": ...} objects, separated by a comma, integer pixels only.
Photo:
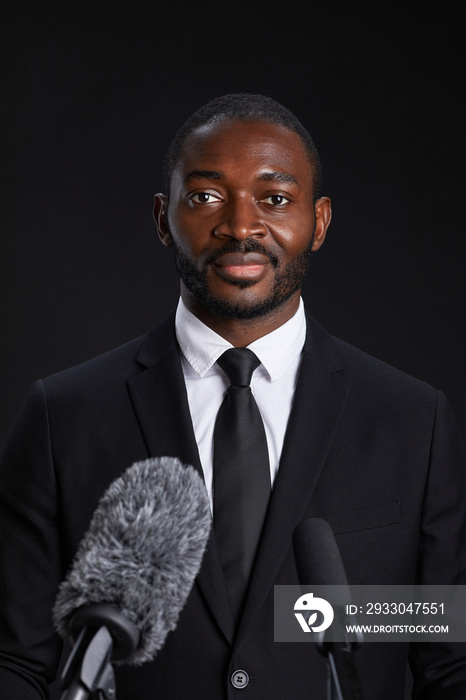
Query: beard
[{"x": 288, "y": 280}]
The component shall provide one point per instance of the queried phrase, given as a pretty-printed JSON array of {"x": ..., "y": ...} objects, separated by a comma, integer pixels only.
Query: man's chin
[{"x": 239, "y": 308}]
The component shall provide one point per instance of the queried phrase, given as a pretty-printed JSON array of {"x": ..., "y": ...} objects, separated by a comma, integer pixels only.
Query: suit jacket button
[{"x": 239, "y": 679}]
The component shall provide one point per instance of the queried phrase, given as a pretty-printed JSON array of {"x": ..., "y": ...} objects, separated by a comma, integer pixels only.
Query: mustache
[{"x": 250, "y": 245}]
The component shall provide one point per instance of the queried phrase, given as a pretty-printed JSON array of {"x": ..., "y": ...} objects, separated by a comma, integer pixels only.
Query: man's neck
[{"x": 242, "y": 332}]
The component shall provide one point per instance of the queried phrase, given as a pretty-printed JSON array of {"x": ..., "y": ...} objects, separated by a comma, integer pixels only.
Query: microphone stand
[
  {"x": 103, "y": 634},
  {"x": 343, "y": 680},
  {"x": 88, "y": 671}
]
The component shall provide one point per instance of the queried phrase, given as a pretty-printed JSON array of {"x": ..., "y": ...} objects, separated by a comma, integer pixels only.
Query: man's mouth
[{"x": 245, "y": 266}]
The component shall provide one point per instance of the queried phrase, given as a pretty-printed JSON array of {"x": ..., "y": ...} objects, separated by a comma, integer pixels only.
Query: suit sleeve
[
  {"x": 30, "y": 568},
  {"x": 439, "y": 669}
]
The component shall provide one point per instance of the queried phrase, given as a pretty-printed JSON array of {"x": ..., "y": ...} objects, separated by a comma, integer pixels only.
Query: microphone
[
  {"x": 317, "y": 555},
  {"x": 132, "y": 573},
  {"x": 319, "y": 563}
]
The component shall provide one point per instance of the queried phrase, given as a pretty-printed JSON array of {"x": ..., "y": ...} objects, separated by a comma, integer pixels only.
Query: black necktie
[{"x": 241, "y": 474}]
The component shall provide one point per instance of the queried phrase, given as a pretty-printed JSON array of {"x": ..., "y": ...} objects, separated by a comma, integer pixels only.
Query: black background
[{"x": 93, "y": 91}]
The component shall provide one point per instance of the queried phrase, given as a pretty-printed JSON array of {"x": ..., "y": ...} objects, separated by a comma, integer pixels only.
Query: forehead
[{"x": 246, "y": 146}]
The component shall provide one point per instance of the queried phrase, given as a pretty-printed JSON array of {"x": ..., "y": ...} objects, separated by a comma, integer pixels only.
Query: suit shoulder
[
  {"x": 117, "y": 365},
  {"x": 378, "y": 376},
  {"x": 118, "y": 362},
  {"x": 361, "y": 370}
]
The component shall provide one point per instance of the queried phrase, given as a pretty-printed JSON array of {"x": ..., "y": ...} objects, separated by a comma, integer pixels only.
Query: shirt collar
[{"x": 202, "y": 347}]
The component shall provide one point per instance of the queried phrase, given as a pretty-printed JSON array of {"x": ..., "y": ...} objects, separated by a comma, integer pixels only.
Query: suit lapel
[
  {"x": 160, "y": 401},
  {"x": 318, "y": 404}
]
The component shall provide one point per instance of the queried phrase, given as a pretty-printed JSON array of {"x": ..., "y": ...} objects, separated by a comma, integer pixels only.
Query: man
[{"x": 373, "y": 451}]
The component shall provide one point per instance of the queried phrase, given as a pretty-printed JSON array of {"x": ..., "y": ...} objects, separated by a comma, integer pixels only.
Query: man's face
[{"x": 241, "y": 218}]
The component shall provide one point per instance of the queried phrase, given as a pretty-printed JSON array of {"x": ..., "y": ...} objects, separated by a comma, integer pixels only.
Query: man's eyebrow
[
  {"x": 278, "y": 176},
  {"x": 203, "y": 175},
  {"x": 270, "y": 176}
]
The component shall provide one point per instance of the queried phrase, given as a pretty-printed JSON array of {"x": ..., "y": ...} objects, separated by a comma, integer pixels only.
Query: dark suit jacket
[{"x": 372, "y": 450}]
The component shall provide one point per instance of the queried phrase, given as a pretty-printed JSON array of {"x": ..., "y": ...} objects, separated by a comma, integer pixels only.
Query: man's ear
[
  {"x": 161, "y": 218},
  {"x": 323, "y": 214}
]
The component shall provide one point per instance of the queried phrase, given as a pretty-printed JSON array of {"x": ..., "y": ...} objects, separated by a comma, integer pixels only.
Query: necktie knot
[{"x": 239, "y": 364}]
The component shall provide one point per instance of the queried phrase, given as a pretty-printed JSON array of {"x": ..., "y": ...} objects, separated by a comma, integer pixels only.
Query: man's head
[{"x": 242, "y": 215}]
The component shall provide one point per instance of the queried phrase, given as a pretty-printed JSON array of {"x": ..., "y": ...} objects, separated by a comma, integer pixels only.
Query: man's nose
[{"x": 240, "y": 220}]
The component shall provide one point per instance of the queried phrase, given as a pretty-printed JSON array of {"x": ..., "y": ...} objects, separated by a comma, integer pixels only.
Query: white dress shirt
[{"x": 273, "y": 382}]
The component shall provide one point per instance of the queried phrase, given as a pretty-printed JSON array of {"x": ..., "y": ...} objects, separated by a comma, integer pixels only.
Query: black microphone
[
  {"x": 132, "y": 573},
  {"x": 317, "y": 556},
  {"x": 319, "y": 563}
]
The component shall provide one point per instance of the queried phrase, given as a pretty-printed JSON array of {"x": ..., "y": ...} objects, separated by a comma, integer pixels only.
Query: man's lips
[{"x": 249, "y": 266}]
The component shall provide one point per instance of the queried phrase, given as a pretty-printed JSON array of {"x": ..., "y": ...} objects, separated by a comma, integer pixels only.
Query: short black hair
[{"x": 242, "y": 107}]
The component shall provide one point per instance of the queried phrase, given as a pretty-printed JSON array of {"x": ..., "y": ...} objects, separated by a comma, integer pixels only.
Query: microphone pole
[
  {"x": 102, "y": 634},
  {"x": 94, "y": 672},
  {"x": 319, "y": 564},
  {"x": 343, "y": 680}
]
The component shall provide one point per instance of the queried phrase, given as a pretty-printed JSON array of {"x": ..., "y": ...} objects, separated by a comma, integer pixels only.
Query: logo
[{"x": 312, "y": 605}]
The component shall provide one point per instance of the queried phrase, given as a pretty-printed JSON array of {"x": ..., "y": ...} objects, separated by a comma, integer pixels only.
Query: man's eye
[
  {"x": 204, "y": 198},
  {"x": 277, "y": 200}
]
